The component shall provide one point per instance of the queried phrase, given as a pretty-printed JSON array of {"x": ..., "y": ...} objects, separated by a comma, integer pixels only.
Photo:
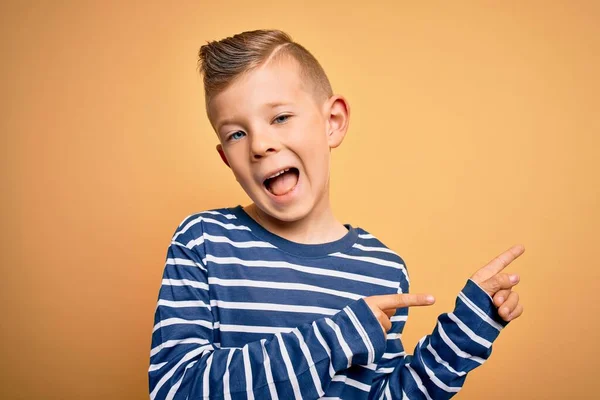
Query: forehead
[{"x": 277, "y": 82}]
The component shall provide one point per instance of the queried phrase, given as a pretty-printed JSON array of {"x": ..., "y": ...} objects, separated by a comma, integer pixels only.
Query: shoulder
[
  {"x": 216, "y": 221},
  {"x": 369, "y": 242},
  {"x": 369, "y": 245}
]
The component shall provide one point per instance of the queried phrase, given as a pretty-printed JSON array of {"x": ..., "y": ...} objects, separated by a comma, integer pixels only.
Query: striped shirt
[{"x": 246, "y": 314}]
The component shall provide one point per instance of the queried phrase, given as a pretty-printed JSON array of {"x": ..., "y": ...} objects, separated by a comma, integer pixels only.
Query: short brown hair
[{"x": 221, "y": 62}]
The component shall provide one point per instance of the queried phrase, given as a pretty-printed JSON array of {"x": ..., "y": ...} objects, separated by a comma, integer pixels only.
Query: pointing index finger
[
  {"x": 502, "y": 261},
  {"x": 388, "y": 301}
]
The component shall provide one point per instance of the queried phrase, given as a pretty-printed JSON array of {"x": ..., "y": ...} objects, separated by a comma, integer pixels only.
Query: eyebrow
[
  {"x": 274, "y": 104},
  {"x": 271, "y": 105}
]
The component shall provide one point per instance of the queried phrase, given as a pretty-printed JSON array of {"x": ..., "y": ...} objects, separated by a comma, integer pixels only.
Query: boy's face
[{"x": 276, "y": 138}]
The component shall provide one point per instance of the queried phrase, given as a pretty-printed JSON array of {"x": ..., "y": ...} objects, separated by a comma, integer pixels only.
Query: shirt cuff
[{"x": 476, "y": 306}]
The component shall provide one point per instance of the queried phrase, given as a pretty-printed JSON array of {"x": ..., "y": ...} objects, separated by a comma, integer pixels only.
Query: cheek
[
  {"x": 316, "y": 159},
  {"x": 239, "y": 169},
  {"x": 312, "y": 138},
  {"x": 235, "y": 156}
]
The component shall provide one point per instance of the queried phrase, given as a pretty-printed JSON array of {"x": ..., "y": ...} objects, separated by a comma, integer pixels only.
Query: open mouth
[{"x": 283, "y": 181}]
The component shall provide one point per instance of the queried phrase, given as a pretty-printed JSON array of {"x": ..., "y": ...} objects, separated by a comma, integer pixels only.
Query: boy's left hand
[{"x": 499, "y": 285}]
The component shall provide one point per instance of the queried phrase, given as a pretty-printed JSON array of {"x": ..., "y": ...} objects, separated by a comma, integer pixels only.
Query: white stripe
[
  {"x": 192, "y": 243},
  {"x": 479, "y": 311},
  {"x": 228, "y": 216},
  {"x": 399, "y": 318},
  {"x": 388, "y": 393},
  {"x": 418, "y": 381},
  {"x": 385, "y": 370},
  {"x": 366, "y": 236},
  {"x": 241, "y": 245},
  {"x": 182, "y": 303},
  {"x": 185, "y": 282},
  {"x": 455, "y": 348},
  {"x": 209, "y": 212},
  {"x": 394, "y": 336},
  {"x": 371, "y": 366},
  {"x": 206, "y": 377},
  {"x": 155, "y": 367},
  {"x": 181, "y": 321},
  {"x": 368, "y": 248},
  {"x": 363, "y": 334},
  {"x": 474, "y": 337},
  {"x": 273, "y": 307},
  {"x": 311, "y": 364},
  {"x": 169, "y": 374},
  {"x": 340, "y": 338},
  {"x": 439, "y": 359},
  {"x": 248, "y": 373},
  {"x": 352, "y": 382},
  {"x": 404, "y": 396},
  {"x": 176, "y": 243},
  {"x": 437, "y": 381},
  {"x": 253, "y": 329},
  {"x": 289, "y": 368},
  {"x": 173, "y": 343},
  {"x": 389, "y": 356},
  {"x": 175, "y": 387},
  {"x": 301, "y": 268},
  {"x": 281, "y": 286},
  {"x": 226, "y": 387},
  {"x": 383, "y": 397},
  {"x": 325, "y": 346},
  {"x": 268, "y": 372},
  {"x": 184, "y": 262},
  {"x": 210, "y": 221},
  {"x": 373, "y": 260},
  {"x": 185, "y": 219}
]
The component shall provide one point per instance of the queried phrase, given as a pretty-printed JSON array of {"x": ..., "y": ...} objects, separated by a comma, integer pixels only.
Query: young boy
[{"x": 279, "y": 300}]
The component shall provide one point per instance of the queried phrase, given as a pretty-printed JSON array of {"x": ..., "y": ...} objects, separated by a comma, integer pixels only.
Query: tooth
[{"x": 279, "y": 173}]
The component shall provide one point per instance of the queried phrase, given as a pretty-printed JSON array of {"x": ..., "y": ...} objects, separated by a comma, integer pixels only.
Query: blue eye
[
  {"x": 237, "y": 135},
  {"x": 279, "y": 119}
]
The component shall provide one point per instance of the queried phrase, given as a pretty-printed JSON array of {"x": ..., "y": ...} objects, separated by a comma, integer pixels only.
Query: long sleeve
[
  {"x": 186, "y": 362},
  {"x": 461, "y": 341}
]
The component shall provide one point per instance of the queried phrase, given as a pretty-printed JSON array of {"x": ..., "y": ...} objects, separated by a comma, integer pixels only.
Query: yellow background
[{"x": 475, "y": 125}]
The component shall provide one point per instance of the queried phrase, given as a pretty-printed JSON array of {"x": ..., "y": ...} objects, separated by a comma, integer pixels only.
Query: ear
[
  {"x": 222, "y": 154},
  {"x": 337, "y": 113}
]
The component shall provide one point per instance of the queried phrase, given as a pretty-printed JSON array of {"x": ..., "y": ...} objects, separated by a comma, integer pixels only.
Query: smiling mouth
[{"x": 282, "y": 182}]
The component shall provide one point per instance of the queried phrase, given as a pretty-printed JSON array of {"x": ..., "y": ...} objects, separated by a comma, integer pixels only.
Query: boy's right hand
[
  {"x": 384, "y": 306},
  {"x": 489, "y": 278}
]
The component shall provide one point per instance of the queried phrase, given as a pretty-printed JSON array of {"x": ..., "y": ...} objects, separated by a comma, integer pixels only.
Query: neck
[{"x": 320, "y": 226}]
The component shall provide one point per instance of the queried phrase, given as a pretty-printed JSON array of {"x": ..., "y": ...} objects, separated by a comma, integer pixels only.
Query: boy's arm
[
  {"x": 461, "y": 341},
  {"x": 299, "y": 364}
]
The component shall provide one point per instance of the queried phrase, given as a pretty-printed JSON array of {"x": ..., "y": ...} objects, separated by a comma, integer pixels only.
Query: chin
[{"x": 286, "y": 214}]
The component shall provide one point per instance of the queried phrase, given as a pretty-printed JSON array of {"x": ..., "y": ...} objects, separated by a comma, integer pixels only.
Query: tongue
[{"x": 283, "y": 183}]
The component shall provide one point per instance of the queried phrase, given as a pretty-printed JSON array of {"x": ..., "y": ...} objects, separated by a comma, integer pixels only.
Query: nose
[{"x": 263, "y": 144}]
